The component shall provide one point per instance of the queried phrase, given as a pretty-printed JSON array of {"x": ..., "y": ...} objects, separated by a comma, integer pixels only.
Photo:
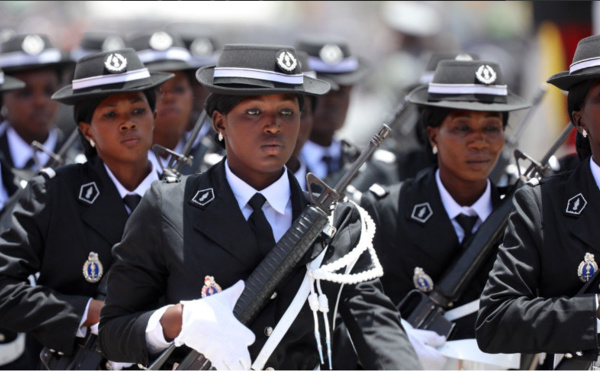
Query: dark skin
[
  {"x": 306, "y": 124},
  {"x": 121, "y": 128},
  {"x": 260, "y": 134},
  {"x": 330, "y": 115},
  {"x": 200, "y": 94},
  {"x": 31, "y": 111},
  {"x": 173, "y": 110},
  {"x": 469, "y": 145}
]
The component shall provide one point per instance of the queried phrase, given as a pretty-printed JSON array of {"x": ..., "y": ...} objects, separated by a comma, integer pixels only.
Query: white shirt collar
[
  {"x": 313, "y": 155},
  {"x": 277, "y": 194},
  {"x": 595, "y": 171},
  {"x": 481, "y": 208},
  {"x": 165, "y": 161},
  {"x": 142, "y": 187},
  {"x": 21, "y": 151},
  {"x": 300, "y": 174}
]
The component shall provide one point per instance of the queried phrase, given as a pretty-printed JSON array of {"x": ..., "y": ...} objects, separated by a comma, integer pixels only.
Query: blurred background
[{"x": 530, "y": 40}]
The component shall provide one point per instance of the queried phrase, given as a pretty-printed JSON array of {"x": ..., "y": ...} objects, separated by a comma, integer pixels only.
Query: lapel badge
[
  {"x": 422, "y": 281},
  {"x": 421, "y": 212},
  {"x": 485, "y": 74},
  {"x": 286, "y": 61},
  {"x": 115, "y": 62},
  {"x": 33, "y": 44},
  {"x": 203, "y": 197},
  {"x": 331, "y": 54},
  {"x": 576, "y": 204},
  {"x": 210, "y": 286},
  {"x": 89, "y": 192},
  {"x": 587, "y": 268},
  {"x": 92, "y": 268}
]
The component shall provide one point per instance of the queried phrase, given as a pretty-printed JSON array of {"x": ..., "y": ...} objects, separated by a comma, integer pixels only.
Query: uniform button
[
  {"x": 579, "y": 353},
  {"x": 61, "y": 353},
  {"x": 274, "y": 295},
  {"x": 568, "y": 355},
  {"x": 268, "y": 331},
  {"x": 2, "y": 337},
  {"x": 52, "y": 351}
]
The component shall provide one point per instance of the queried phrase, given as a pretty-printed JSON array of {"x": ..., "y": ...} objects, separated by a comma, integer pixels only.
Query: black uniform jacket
[
  {"x": 171, "y": 243},
  {"x": 403, "y": 243},
  {"x": 531, "y": 301},
  {"x": 51, "y": 230}
]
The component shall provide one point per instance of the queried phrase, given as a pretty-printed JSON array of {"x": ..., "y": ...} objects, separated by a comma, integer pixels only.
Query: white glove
[
  {"x": 425, "y": 344},
  {"x": 210, "y": 328}
]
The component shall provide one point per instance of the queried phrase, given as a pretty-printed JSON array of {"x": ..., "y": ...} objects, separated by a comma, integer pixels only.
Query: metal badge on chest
[
  {"x": 421, "y": 212},
  {"x": 203, "y": 197},
  {"x": 92, "y": 268},
  {"x": 89, "y": 192},
  {"x": 587, "y": 268},
  {"x": 422, "y": 281},
  {"x": 210, "y": 286},
  {"x": 576, "y": 204}
]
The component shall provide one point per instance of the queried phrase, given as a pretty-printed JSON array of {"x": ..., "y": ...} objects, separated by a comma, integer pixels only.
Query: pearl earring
[
  {"x": 220, "y": 137},
  {"x": 584, "y": 133},
  {"x": 434, "y": 149},
  {"x": 92, "y": 143}
]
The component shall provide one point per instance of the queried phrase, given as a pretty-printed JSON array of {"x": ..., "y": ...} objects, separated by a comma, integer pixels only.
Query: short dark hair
[
  {"x": 575, "y": 100},
  {"x": 83, "y": 111},
  {"x": 431, "y": 116}
]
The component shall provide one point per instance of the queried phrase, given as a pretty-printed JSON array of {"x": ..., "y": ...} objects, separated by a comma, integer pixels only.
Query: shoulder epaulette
[
  {"x": 49, "y": 173},
  {"x": 384, "y": 156},
  {"x": 533, "y": 181},
  {"x": 378, "y": 190}
]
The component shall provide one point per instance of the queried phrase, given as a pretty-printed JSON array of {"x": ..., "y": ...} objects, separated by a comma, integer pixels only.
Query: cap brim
[
  {"x": 64, "y": 62},
  {"x": 420, "y": 96},
  {"x": 10, "y": 83},
  {"x": 246, "y": 86},
  {"x": 67, "y": 96},
  {"x": 564, "y": 80}
]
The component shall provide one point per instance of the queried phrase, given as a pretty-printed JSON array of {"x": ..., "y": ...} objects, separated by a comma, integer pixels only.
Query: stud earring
[
  {"x": 434, "y": 149},
  {"x": 220, "y": 137},
  {"x": 584, "y": 133}
]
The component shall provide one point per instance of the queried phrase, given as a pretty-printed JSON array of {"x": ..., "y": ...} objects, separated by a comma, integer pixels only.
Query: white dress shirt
[
  {"x": 313, "y": 155},
  {"x": 21, "y": 151}
]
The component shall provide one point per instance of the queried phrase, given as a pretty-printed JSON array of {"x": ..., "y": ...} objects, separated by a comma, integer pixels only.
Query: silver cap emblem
[
  {"x": 33, "y": 44},
  {"x": 115, "y": 62},
  {"x": 486, "y": 74},
  {"x": 112, "y": 43},
  {"x": 331, "y": 54},
  {"x": 286, "y": 61},
  {"x": 161, "y": 40},
  {"x": 201, "y": 47}
]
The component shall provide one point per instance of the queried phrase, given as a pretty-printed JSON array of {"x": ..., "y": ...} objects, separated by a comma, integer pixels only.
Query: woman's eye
[
  {"x": 287, "y": 112},
  {"x": 109, "y": 115},
  {"x": 139, "y": 111},
  {"x": 179, "y": 89},
  {"x": 253, "y": 112},
  {"x": 492, "y": 128}
]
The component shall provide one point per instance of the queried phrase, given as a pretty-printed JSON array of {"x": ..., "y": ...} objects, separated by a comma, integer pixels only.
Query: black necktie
[
  {"x": 467, "y": 223},
  {"x": 259, "y": 224},
  {"x": 132, "y": 200}
]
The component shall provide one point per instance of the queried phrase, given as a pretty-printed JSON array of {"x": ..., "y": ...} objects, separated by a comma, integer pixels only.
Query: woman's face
[
  {"x": 588, "y": 118},
  {"x": 31, "y": 111},
  {"x": 468, "y": 143},
  {"x": 330, "y": 113},
  {"x": 260, "y": 135},
  {"x": 174, "y": 104},
  {"x": 121, "y": 128}
]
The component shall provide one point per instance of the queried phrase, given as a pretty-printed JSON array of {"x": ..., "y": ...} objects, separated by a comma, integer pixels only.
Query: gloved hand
[
  {"x": 210, "y": 328},
  {"x": 425, "y": 344}
]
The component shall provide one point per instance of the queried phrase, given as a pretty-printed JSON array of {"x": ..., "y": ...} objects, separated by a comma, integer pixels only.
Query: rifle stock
[{"x": 287, "y": 253}]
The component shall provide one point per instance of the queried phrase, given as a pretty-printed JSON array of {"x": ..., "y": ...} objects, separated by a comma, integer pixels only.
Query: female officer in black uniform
[
  {"x": 531, "y": 302},
  {"x": 67, "y": 221},
  {"x": 195, "y": 237},
  {"x": 464, "y": 111}
]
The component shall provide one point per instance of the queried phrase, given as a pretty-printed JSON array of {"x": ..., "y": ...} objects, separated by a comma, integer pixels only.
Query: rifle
[
  {"x": 286, "y": 254},
  {"x": 511, "y": 142},
  {"x": 177, "y": 161},
  {"x": 87, "y": 355},
  {"x": 59, "y": 158},
  {"x": 426, "y": 311}
]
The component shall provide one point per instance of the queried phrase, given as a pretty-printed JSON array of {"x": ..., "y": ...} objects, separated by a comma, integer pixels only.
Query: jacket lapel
[
  {"x": 221, "y": 220},
  {"x": 581, "y": 206},
  {"x": 106, "y": 214}
]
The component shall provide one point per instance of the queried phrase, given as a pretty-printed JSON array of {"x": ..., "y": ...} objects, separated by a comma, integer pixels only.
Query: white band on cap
[
  {"x": 494, "y": 90},
  {"x": 249, "y": 73},
  {"x": 349, "y": 64},
  {"x": 21, "y": 58},
  {"x": 175, "y": 53},
  {"x": 580, "y": 65},
  {"x": 95, "y": 81}
]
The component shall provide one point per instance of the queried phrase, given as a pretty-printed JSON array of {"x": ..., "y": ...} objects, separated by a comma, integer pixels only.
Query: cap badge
[
  {"x": 286, "y": 61},
  {"x": 587, "y": 268},
  {"x": 115, "y": 62},
  {"x": 331, "y": 54},
  {"x": 161, "y": 40},
  {"x": 33, "y": 44},
  {"x": 112, "y": 43},
  {"x": 422, "y": 281},
  {"x": 92, "y": 268},
  {"x": 576, "y": 204},
  {"x": 201, "y": 47},
  {"x": 210, "y": 286},
  {"x": 203, "y": 197},
  {"x": 421, "y": 212},
  {"x": 485, "y": 74},
  {"x": 463, "y": 57},
  {"x": 89, "y": 192}
]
